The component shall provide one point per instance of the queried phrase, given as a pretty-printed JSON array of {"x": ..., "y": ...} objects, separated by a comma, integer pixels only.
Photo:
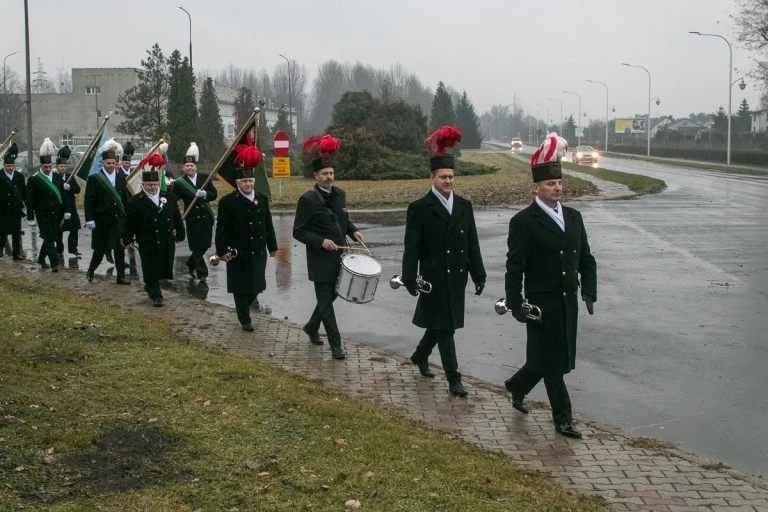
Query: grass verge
[
  {"x": 102, "y": 409},
  {"x": 635, "y": 182}
]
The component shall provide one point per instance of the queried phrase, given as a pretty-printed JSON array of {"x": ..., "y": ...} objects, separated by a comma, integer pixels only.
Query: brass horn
[
  {"x": 422, "y": 286},
  {"x": 215, "y": 259},
  {"x": 531, "y": 312}
]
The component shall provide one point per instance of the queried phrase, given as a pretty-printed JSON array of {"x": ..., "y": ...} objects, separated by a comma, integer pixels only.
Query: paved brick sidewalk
[{"x": 630, "y": 475}]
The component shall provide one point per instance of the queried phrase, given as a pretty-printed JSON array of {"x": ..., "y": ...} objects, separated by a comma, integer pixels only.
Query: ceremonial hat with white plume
[
  {"x": 110, "y": 149},
  {"x": 47, "y": 149},
  {"x": 444, "y": 138},
  {"x": 9, "y": 157},
  {"x": 128, "y": 152},
  {"x": 63, "y": 155},
  {"x": 545, "y": 162},
  {"x": 193, "y": 154},
  {"x": 321, "y": 150}
]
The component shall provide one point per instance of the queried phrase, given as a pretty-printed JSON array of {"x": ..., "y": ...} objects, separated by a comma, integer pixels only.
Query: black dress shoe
[
  {"x": 122, "y": 280},
  {"x": 338, "y": 353},
  {"x": 314, "y": 337},
  {"x": 44, "y": 265},
  {"x": 248, "y": 327},
  {"x": 16, "y": 257},
  {"x": 568, "y": 430},
  {"x": 423, "y": 367},
  {"x": 203, "y": 279},
  {"x": 520, "y": 406},
  {"x": 55, "y": 268},
  {"x": 157, "y": 301},
  {"x": 191, "y": 269},
  {"x": 109, "y": 257},
  {"x": 89, "y": 276},
  {"x": 457, "y": 389}
]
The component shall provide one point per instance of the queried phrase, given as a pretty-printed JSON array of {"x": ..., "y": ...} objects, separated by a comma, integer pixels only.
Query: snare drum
[{"x": 358, "y": 278}]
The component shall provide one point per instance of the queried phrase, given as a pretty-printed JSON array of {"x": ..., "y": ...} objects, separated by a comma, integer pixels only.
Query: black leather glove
[
  {"x": 519, "y": 314},
  {"x": 479, "y": 287},
  {"x": 410, "y": 285},
  {"x": 589, "y": 301}
]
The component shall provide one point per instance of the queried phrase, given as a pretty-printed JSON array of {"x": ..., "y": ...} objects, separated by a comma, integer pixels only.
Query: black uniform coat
[
  {"x": 103, "y": 207},
  {"x": 73, "y": 224},
  {"x": 44, "y": 205},
  {"x": 551, "y": 261},
  {"x": 319, "y": 217},
  {"x": 13, "y": 193},
  {"x": 152, "y": 228},
  {"x": 444, "y": 250},
  {"x": 200, "y": 219},
  {"x": 247, "y": 227}
]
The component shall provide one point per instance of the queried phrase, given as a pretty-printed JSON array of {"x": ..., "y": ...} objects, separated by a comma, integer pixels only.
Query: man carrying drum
[{"x": 322, "y": 225}]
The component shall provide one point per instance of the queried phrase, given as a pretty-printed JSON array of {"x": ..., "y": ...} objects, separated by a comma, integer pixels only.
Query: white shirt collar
[
  {"x": 250, "y": 196},
  {"x": 10, "y": 176},
  {"x": 49, "y": 176},
  {"x": 193, "y": 179},
  {"x": 326, "y": 190},
  {"x": 155, "y": 198},
  {"x": 110, "y": 177},
  {"x": 557, "y": 216},
  {"x": 448, "y": 203}
]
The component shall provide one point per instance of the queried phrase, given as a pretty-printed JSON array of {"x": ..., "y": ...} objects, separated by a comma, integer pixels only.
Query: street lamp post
[
  {"x": 561, "y": 115},
  {"x": 578, "y": 96},
  {"x": 606, "y": 111},
  {"x": 190, "y": 35},
  {"x": 5, "y": 96},
  {"x": 290, "y": 94},
  {"x": 730, "y": 86},
  {"x": 546, "y": 128},
  {"x": 648, "y": 127},
  {"x": 95, "y": 95}
]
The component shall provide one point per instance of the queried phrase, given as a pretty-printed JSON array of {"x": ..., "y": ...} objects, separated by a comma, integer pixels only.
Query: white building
[{"x": 759, "y": 121}]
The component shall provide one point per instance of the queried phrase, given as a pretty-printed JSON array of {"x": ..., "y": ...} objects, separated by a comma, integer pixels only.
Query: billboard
[{"x": 629, "y": 126}]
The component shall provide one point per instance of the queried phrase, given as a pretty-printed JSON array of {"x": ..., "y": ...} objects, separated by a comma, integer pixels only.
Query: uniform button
[
  {"x": 561, "y": 252},
  {"x": 461, "y": 231},
  {"x": 448, "y": 251},
  {"x": 449, "y": 271},
  {"x": 563, "y": 273},
  {"x": 563, "y": 294},
  {"x": 574, "y": 251}
]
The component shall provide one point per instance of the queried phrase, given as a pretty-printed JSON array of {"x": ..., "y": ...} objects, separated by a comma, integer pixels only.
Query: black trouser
[
  {"x": 48, "y": 249},
  {"x": 119, "y": 254},
  {"x": 325, "y": 293},
  {"x": 243, "y": 303},
  {"x": 196, "y": 262},
  {"x": 15, "y": 242},
  {"x": 447, "y": 347},
  {"x": 71, "y": 242},
  {"x": 153, "y": 290},
  {"x": 524, "y": 381}
]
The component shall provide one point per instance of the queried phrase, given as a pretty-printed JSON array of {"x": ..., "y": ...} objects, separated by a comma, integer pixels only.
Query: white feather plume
[
  {"x": 113, "y": 145},
  {"x": 163, "y": 148},
  {"x": 47, "y": 148},
  {"x": 552, "y": 149},
  {"x": 193, "y": 151}
]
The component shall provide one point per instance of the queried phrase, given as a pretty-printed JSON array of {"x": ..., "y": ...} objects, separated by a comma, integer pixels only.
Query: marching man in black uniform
[
  {"x": 549, "y": 252},
  {"x": 105, "y": 196},
  {"x": 153, "y": 221},
  {"x": 71, "y": 188},
  {"x": 13, "y": 194},
  {"x": 125, "y": 159},
  {"x": 200, "y": 219},
  {"x": 442, "y": 246},
  {"x": 45, "y": 202},
  {"x": 244, "y": 224}
]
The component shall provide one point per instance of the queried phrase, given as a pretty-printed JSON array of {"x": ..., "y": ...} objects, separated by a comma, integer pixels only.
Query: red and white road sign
[{"x": 282, "y": 144}]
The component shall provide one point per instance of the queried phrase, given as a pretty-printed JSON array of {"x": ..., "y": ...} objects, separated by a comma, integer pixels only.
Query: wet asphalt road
[{"x": 676, "y": 348}]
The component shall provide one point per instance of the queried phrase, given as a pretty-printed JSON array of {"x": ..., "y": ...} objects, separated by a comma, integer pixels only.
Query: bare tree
[{"x": 331, "y": 83}]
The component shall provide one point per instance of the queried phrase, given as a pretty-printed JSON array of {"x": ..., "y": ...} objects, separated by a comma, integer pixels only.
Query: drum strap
[{"x": 333, "y": 213}]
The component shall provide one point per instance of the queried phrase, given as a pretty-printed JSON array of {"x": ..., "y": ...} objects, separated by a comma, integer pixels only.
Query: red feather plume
[
  {"x": 445, "y": 137},
  {"x": 326, "y": 145},
  {"x": 154, "y": 160},
  {"x": 247, "y": 154}
]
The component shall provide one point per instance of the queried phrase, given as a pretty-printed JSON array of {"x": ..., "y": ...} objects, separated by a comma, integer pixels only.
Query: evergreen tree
[
  {"x": 442, "y": 109},
  {"x": 243, "y": 107},
  {"x": 743, "y": 119},
  {"x": 570, "y": 128},
  {"x": 212, "y": 142},
  {"x": 721, "y": 121},
  {"x": 144, "y": 106},
  {"x": 283, "y": 123},
  {"x": 183, "y": 121},
  {"x": 468, "y": 123}
]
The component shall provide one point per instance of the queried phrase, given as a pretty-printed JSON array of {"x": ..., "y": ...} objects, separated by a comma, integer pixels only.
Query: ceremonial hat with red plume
[
  {"x": 151, "y": 167},
  {"x": 545, "y": 162},
  {"x": 444, "y": 138},
  {"x": 247, "y": 159},
  {"x": 321, "y": 150}
]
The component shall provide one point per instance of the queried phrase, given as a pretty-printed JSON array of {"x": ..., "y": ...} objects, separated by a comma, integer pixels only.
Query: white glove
[
  {"x": 91, "y": 224},
  {"x": 67, "y": 216},
  {"x": 202, "y": 194},
  {"x": 32, "y": 223},
  {"x": 67, "y": 186}
]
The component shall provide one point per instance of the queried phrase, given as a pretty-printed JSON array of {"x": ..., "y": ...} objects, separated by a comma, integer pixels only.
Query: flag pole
[
  {"x": 235, "y": 141},
  {"x": 96, "y": 137},
  {"x": 7, "y": 143}
]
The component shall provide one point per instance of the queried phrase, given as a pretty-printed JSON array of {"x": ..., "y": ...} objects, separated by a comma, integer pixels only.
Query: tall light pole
[
  {"x": 290, "y": 94},
  {"x": 648, "y": 126},
  {"x": 730, "y": 86},
  {"x": 606, "y": 111},
  {"x": 577, "y": 95},
  {"x": 561, "y": 114},
  {"x": 547, "y": 120},
  {"x": 29, "y": 88},
  {"x": 5, "y": 96},
  {"x": 95, "y": 95},
  {"x": 190, "y": 35}
]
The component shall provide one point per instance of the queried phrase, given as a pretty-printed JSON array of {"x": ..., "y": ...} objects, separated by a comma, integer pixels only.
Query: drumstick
[
  {"x": 352, "y": 248},
  {"x": 369, "y": 251}
]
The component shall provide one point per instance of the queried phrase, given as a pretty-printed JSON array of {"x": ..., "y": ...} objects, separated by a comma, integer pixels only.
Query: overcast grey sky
[{"x": 492, "y": 48}]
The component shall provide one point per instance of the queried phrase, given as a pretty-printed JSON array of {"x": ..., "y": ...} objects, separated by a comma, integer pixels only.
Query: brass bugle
[
  {"x": 531, "y": 312},
  {"x": 215, "y": 259},
  {"x": 422, "y": 286}
]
